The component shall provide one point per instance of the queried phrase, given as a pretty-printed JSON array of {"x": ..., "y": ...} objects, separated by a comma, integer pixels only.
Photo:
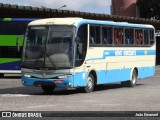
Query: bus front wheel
[
  {"x": 132, "y": 82},
  {"x": 47, "y": 89},
  {"x": 89, "y": 84}
]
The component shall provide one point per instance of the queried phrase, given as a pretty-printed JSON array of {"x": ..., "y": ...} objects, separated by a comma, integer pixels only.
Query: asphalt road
[{"x": 143, "y": 97}]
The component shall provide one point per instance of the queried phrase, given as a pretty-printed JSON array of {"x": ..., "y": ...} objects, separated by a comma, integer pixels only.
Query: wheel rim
[
  {"x": 134, "y": 78},
  {"x": 89, "y": 83}
]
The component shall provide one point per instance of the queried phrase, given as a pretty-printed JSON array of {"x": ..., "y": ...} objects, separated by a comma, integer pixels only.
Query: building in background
[{"x": 124, "y": 8}]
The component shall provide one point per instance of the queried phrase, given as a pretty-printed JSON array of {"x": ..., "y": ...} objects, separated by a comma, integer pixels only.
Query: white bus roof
[
  {"x": 57, "y": 21},
  {"x": 77, "y": 21}
]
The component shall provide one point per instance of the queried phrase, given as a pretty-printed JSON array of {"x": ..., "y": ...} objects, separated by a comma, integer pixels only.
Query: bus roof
[{"x": 78, "y": 21}]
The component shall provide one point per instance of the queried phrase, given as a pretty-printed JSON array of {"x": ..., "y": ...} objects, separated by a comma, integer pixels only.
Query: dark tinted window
[
  {"x": 81, "y": 45},
  {"x": 107, "y": 36},
  {"x": 151, "y": 33},
  {"x": 129, "y": 40},
  {"x": 13, "y": 28},
  {"x": 9, "y": 52},
  {"x": 146, "y": 37},
  {"x": 95, "y": 35}
]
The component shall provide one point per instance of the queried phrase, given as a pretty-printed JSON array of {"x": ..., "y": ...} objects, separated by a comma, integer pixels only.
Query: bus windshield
[{"x": 48, "y": 47}]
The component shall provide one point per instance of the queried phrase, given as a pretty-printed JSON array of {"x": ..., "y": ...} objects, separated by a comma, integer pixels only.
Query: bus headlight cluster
[{"x": 27, "y": 75}]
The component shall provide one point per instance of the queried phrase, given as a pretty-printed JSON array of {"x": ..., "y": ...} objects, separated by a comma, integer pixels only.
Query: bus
[
  {"x": 10, "y": 57},
  {"x": 82, "y": 53}
]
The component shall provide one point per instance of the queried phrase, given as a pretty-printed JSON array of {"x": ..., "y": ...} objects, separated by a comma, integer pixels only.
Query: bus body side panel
[
  {"x": 144, "y": 72},
  {"x": 111, "y": 66},
  {"x": 80, "y": 79},
  {"x": 111, "y": 76},
  {"x": 11, "y": 64}
]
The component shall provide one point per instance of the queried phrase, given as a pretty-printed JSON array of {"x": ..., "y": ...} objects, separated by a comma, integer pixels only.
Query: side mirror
[
  {"x": 79, "y": 45},
  {"x": 17, "y": 42},
  {"x": 77, "y": 40}
]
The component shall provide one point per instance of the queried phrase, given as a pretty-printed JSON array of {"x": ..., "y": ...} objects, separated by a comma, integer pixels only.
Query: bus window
[
  {"x": 146, "y": 37},
  {"x": 82, "y": 45},
  {"x": 138, "y": 37},
  {"x": 95, "y": 35},
  {"x": 151, "y": 34},
  {"x": 129, "y": 36},
  {"x": 106, "y": 35},
  {"x": 118, "y": 36},
  {"x": 115, "y": 36}
]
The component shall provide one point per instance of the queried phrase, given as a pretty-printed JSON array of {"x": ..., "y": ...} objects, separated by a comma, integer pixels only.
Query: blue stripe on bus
[
  {"x": 115, "y": 75},
  {"x": 11, "y": 66},
  {"x": 111, "y": 53},
  {"x": 23, "y": 19},
  {"x": 103, "y": 77}
]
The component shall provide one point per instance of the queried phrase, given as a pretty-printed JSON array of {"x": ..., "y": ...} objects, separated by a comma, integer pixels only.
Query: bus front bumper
[{"x": 38, "y": 82}]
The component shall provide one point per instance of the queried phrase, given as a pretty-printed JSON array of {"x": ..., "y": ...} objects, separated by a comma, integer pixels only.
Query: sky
[{"x": 94, "y": 6}]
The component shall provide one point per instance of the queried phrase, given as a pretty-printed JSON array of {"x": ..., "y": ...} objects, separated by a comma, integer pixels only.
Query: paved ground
[{"x": 144, "y": 97}]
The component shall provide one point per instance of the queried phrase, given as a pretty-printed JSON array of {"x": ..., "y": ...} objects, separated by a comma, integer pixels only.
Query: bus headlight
[{"x": 27, "y": 75}]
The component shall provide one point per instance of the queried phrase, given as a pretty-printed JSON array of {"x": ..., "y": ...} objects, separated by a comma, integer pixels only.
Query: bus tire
[
  {"x": 47, "y": 89},
  {"x": 132, "y": 82},
  {"x": 1, "y": 75},
  {"x": 90, "y": 84}
]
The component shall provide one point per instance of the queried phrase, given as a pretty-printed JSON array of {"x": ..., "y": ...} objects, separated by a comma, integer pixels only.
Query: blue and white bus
[{"x": 81, "y": 53}]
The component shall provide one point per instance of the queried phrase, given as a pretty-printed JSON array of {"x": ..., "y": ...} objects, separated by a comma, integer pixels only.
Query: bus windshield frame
[{"x": 49, "y": 47}]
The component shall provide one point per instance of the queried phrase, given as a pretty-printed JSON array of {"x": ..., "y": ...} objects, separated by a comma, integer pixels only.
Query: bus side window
[
  {"x": 140, "y": 37},
  {"x": 106, "y": 35},
  {"x": 146, "y": 37},
  {"x": 95, "y": 35},
  {"x": 127, "y": 40},
  {"x": 151, "y": 34},
  {"x": 120, "y": 36},
  {"x": 81, "y": 45},
  {"x": 98, "y": 38},
  {"x": 129, "y": 36},
  {"x": 92, "y": 35},
  {"x": 115, "y": 36},
  {"x": 136, "y": 37}
]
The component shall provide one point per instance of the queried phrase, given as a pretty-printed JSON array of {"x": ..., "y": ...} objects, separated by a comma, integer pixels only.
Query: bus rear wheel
[
  {"x": 132, "y": 82},
  {"x": 47, "y": 89},
  {"x": 90, "y": 84}
]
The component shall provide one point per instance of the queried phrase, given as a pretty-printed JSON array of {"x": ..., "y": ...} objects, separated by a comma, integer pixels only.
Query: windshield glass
[{"x": 48, "y": 47}]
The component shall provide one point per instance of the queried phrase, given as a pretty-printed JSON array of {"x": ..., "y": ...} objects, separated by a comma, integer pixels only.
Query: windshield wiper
[
  {"x": 36, "y": 61},
  {"x": 51, "y": 61},
  {"x": 44, "y": 53}
]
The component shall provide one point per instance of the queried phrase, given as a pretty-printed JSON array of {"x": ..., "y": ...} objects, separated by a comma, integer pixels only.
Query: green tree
[{"x": 149, "y": 8}]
